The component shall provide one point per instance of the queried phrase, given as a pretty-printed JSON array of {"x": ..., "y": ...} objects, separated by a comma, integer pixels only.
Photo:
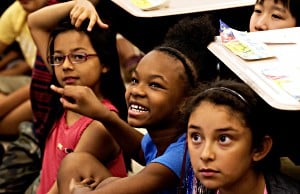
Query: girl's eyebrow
[
  {"x": 155, "y": 76},
  {"x": 159, "y": 77},
  {"x": 226, "y": 129},
  {"x": 195, "y": 127},
  {"x": 73, "y": 50},
  {"x": 77, "y": 49}
]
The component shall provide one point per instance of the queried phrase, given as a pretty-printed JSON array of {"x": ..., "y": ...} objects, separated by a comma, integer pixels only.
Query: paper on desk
[
  {"x": 243, "y": 45},
  {"x": 277, "y": 36},
  {"x": 150, "y": 4},
  {"x": 287, "y": 78}
]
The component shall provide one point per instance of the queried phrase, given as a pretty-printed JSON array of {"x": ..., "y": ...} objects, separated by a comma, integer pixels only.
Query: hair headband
[
  {"x": 183, "y": 59},
  {"x": 228, "y": 90}
]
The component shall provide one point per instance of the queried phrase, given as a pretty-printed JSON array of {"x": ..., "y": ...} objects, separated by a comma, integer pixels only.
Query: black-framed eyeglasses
[{"x": 74, "y": 58}]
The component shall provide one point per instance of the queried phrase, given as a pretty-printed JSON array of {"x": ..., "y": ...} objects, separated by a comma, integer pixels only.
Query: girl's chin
[
  {"x": 134, "y": 122},
  {"x": 210, "y": 184}
]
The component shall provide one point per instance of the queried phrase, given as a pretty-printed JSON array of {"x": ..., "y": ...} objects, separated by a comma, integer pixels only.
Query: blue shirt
[{"x": 172, "y": 158}]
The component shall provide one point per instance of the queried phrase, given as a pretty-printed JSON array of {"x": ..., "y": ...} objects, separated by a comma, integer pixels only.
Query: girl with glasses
[{"x": 79, "y": 57}]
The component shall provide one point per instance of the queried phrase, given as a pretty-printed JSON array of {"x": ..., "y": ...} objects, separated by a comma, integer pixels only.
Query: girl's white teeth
[{"x": 137, "y": 108}]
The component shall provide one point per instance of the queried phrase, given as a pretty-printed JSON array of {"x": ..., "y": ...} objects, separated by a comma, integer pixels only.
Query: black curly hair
[{"x": 191, "y": 36}]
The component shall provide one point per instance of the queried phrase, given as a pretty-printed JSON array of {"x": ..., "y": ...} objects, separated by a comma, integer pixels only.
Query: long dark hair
[{"x": 112, "y": 86}]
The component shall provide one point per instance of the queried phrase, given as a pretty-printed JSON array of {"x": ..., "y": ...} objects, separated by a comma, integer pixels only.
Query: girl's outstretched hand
[
  {"x": 81, "y": 99},
  {"x": 85, "y": 9},
  {"x": 78, "y": 188}
]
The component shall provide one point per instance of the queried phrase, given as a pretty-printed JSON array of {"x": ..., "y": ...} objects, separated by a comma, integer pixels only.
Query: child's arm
[
  {"x": 86, "y": 103},
  {"x": 20, "y": 68},
  {"x": 42, "y": 21},
  {"x": 53, "y": 189},
  {"x": 151, "y": 179},
  {"x": 83, "y": 168},
  {"x": 8, "y": 57}
]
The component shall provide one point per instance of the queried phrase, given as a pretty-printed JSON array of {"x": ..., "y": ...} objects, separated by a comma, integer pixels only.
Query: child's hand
[
  {"x": 81, "y": 99},
  {"x": 78, "y": 188},
  {"x": 91, "y": 182},
  {"x": 85, "y": 9}
]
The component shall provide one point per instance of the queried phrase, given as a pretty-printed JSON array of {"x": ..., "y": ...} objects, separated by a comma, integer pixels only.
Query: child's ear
[{"x": 265, "y": 148}]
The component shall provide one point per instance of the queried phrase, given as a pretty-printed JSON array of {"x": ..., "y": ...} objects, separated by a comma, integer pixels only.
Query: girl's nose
[
  {"x": 137, "y": 90},
  {"x": 67, "y": 64},
  {"x": 207, "y": 152}
]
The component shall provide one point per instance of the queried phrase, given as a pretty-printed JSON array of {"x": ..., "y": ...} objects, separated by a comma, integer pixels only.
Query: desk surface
[
  {"x": 177, "y": 7},
  {"x": 276, "y": 80}
]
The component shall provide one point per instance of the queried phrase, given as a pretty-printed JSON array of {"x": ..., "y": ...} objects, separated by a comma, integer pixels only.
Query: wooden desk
[
  {"x": 276, "y": 80},
  {"x": 177, "y": 7}
]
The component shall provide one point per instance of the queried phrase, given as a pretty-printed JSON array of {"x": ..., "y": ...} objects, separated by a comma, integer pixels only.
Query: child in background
[
  {"x": 160, "y": 82},
  {"x": 230, "y": 142},
  {"x": 88, "y": 59},
  {"x": 274, "y": 14},
  {"x": 129, "y": 56},
  {"x": 14, "y": 28},
  {"x": 9, "y": 60},
  {"x": 269, "y": 15}
]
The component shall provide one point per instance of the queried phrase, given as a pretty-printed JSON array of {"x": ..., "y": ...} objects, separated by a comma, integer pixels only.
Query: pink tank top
[{"x": 58, "y": 146}]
